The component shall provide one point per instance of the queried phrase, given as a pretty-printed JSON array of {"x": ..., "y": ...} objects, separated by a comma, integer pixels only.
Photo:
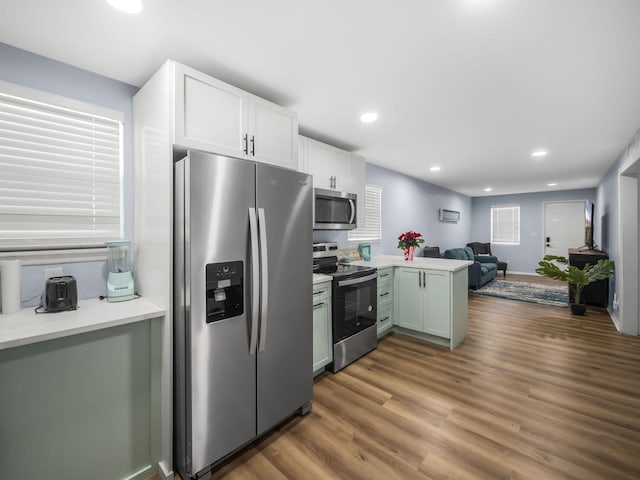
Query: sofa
[{"x": 482, "y": 271}]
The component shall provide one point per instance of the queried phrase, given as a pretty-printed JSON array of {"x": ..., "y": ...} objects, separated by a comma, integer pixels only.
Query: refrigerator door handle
[
  {"x": 264, "y": 275},
  {"x": 255, "y": 280}
]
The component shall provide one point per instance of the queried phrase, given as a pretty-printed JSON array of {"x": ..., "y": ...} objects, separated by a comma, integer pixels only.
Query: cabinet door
[
  {"x": 437, "y": 312},
  {"x": 341, "y": 170},
  {"x": 322, "y": 352},
  {"x": 273, "y": 134},
  {"x": 409, "y": 298},
  {"x": 358, "y": 179},
  {"x": 210, "y": 115},
  {"x": 319, "y": 162}
]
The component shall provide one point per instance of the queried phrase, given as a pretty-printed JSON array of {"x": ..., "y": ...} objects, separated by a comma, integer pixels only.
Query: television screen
[{"x": 588, "y": 225}]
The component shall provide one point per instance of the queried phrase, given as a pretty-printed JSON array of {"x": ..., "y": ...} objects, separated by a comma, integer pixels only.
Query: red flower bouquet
[
  {"x": 408, "y": 242},
  {"x": 409, "y": 239}
]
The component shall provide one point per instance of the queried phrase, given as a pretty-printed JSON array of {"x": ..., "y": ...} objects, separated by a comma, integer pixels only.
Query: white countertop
[
  {"x": 320, "y": 277},
  {"x": 384, "y": 261},
  {"x": 25, "y": 327}
]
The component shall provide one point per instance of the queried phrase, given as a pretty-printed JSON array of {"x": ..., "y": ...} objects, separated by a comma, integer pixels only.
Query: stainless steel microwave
[{"x": 334, "y": 210}]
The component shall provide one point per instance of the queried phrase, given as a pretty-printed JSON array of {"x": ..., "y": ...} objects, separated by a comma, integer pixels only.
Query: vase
[
  {"x": 578, "y": 308},
  {"x": 408, "y": 254}
]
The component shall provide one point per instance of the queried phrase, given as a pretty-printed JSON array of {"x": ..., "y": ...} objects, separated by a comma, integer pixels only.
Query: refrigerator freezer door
[
  {"x": 220, "y": 371},
  {"x": 285, "y": 377}
]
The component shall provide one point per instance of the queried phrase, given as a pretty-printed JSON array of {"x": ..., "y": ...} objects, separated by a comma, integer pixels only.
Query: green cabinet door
[
  {"x": 322, "y": 341},
  {"x": 437, "y": 312},
  {"x": 409, "y": 296}
]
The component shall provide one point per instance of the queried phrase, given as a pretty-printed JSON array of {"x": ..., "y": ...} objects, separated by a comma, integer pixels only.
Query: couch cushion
[
  {"x": 489, "y": 266},
  {"x": 459, "y": 253}
]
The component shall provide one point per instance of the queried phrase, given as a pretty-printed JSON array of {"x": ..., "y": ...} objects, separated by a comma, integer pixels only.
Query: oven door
[{"x": 354, "y": 303}]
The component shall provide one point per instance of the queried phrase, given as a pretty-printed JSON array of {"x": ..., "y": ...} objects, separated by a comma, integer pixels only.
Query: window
[
  {"x": 371, "y": 228},
  {"x": 61, "y": 163},
  {"x": 505, "y": 225}
]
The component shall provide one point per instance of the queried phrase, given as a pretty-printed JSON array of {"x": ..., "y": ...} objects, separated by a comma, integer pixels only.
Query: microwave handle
[{"x": 353, "y": 211}]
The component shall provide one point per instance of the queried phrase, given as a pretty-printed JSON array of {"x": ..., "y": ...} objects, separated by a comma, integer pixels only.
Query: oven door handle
[{"x": 354, "y": 281}]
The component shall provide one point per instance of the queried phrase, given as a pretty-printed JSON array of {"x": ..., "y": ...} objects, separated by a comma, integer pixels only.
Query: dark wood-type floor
[{"x": 532, "y": 393}]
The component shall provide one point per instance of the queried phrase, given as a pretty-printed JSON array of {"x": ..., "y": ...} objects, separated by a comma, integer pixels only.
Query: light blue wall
[
  {"x": 522, "y": 258},
  {"x": 34, "y": 71},
  {"x": 607, "y": 219},
  {"x": 411, "y": 204}
]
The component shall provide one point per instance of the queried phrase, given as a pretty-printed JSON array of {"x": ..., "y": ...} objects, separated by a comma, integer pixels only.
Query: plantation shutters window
[
  {"x": 505, "y": 225},
  {"x": 61, "y": 162},
  {"x": 371, "y": 228}
]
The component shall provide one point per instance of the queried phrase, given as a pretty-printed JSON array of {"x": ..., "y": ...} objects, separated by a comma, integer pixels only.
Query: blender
[{"x": 120, "y": 279}]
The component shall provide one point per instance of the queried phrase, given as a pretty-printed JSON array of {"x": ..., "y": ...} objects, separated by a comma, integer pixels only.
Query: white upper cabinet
[
  {"x": 332, "y": 168},
  {"x": 216, "y": 117},
  {"x": 210, "y": 115},
  {"x": 319, "y": 161},
  {"x": 273, "y": 133}
]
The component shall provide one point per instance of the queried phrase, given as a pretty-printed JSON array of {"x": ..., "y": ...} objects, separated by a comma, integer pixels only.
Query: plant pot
[{"x": 578, "y": 308}]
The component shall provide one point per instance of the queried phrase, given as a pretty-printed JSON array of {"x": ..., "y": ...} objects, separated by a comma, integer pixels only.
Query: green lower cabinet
[
  {"x": 409, "y": 298},
  {"x": 322, "y": 340},
  {"x": 423, "y": 301},
  {"x": 437, "y": 314},
  {"x": 385, "y": 301}
]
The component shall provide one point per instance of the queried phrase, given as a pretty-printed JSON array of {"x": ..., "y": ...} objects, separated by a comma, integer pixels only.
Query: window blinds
[
  {"x": 505, "y": 225},
  {"x": 60, "y": 183},
  {"x": 371, "y": 228}
]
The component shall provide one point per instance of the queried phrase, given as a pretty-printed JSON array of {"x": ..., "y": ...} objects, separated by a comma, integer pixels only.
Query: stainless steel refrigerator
[{"x": 243, "y": 320}]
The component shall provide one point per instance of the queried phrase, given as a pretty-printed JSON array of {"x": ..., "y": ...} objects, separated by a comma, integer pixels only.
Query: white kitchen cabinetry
[
  {"x": 330, "y": 166},
  {"x": 322, "y": 339},
  {"x": 216, "y": 117},
  {"x": 177, "y": 109},
  {"x": 432, "y": 302},
  {"x": 333, "y": 168},
  {"x": 385, "y": 301}
]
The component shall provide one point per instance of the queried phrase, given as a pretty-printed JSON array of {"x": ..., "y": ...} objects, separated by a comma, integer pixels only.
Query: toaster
[{"x": 60, "y": 293}]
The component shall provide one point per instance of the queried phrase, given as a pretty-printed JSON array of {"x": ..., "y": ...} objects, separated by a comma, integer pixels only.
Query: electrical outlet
[
  {"x": 615, "y": 301},
  {"x": 53, "y": 272}
]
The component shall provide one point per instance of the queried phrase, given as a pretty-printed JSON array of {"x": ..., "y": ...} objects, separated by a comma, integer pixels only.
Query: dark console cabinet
[{"x": 596, "y": 293}]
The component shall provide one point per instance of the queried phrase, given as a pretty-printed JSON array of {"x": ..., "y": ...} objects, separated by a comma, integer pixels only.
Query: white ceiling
[{"x": 473, "y": 86}]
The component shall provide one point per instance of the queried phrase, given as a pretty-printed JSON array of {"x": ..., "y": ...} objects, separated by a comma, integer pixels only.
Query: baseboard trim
[
  {"x": 614, "y": 319},
  {"x": 164, "y": 472},
  {"x": 143, "y": 473}
]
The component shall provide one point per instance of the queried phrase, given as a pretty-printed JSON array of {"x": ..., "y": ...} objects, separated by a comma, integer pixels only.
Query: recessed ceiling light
[
  {"x": 434, "y": 169},
  {"x": 488, "y": 189},
  {"x": 128, "y": 6},
  {"x": 539, "y": 153},
  {"x": 552, "y": 184},
  {"x": 368, "y": 117}
]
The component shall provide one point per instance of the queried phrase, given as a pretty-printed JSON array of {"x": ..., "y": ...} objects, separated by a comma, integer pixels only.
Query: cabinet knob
[
  {"x": 253, "y": 145},
  {"x": 245, "y": 140}
]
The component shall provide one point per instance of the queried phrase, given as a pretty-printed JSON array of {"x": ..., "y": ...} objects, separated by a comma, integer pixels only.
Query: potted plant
[
  {"x": 578, "y": 278},
  {"x": 408, "y": 242}
]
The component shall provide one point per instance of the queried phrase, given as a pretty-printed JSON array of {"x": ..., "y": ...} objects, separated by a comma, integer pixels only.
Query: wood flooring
[{"x": 532, "y": 393}]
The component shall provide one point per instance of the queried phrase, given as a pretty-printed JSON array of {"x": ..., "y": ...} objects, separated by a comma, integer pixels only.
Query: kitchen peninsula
[{"x": 429, "y": 297}]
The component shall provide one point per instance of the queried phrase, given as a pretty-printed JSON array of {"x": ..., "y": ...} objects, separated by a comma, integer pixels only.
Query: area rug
[{"x": 526, "y": 292}]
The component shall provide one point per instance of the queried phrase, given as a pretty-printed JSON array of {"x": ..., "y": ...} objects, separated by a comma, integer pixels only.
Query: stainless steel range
[{"x": 353, "y": 305}]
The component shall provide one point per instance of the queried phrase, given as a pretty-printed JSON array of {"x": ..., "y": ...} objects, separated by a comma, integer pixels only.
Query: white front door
[{"x": 563, "y": 227}]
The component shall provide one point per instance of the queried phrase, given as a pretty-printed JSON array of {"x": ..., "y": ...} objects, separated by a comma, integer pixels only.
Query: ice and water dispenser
[{"x": 224, "y": 290}]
